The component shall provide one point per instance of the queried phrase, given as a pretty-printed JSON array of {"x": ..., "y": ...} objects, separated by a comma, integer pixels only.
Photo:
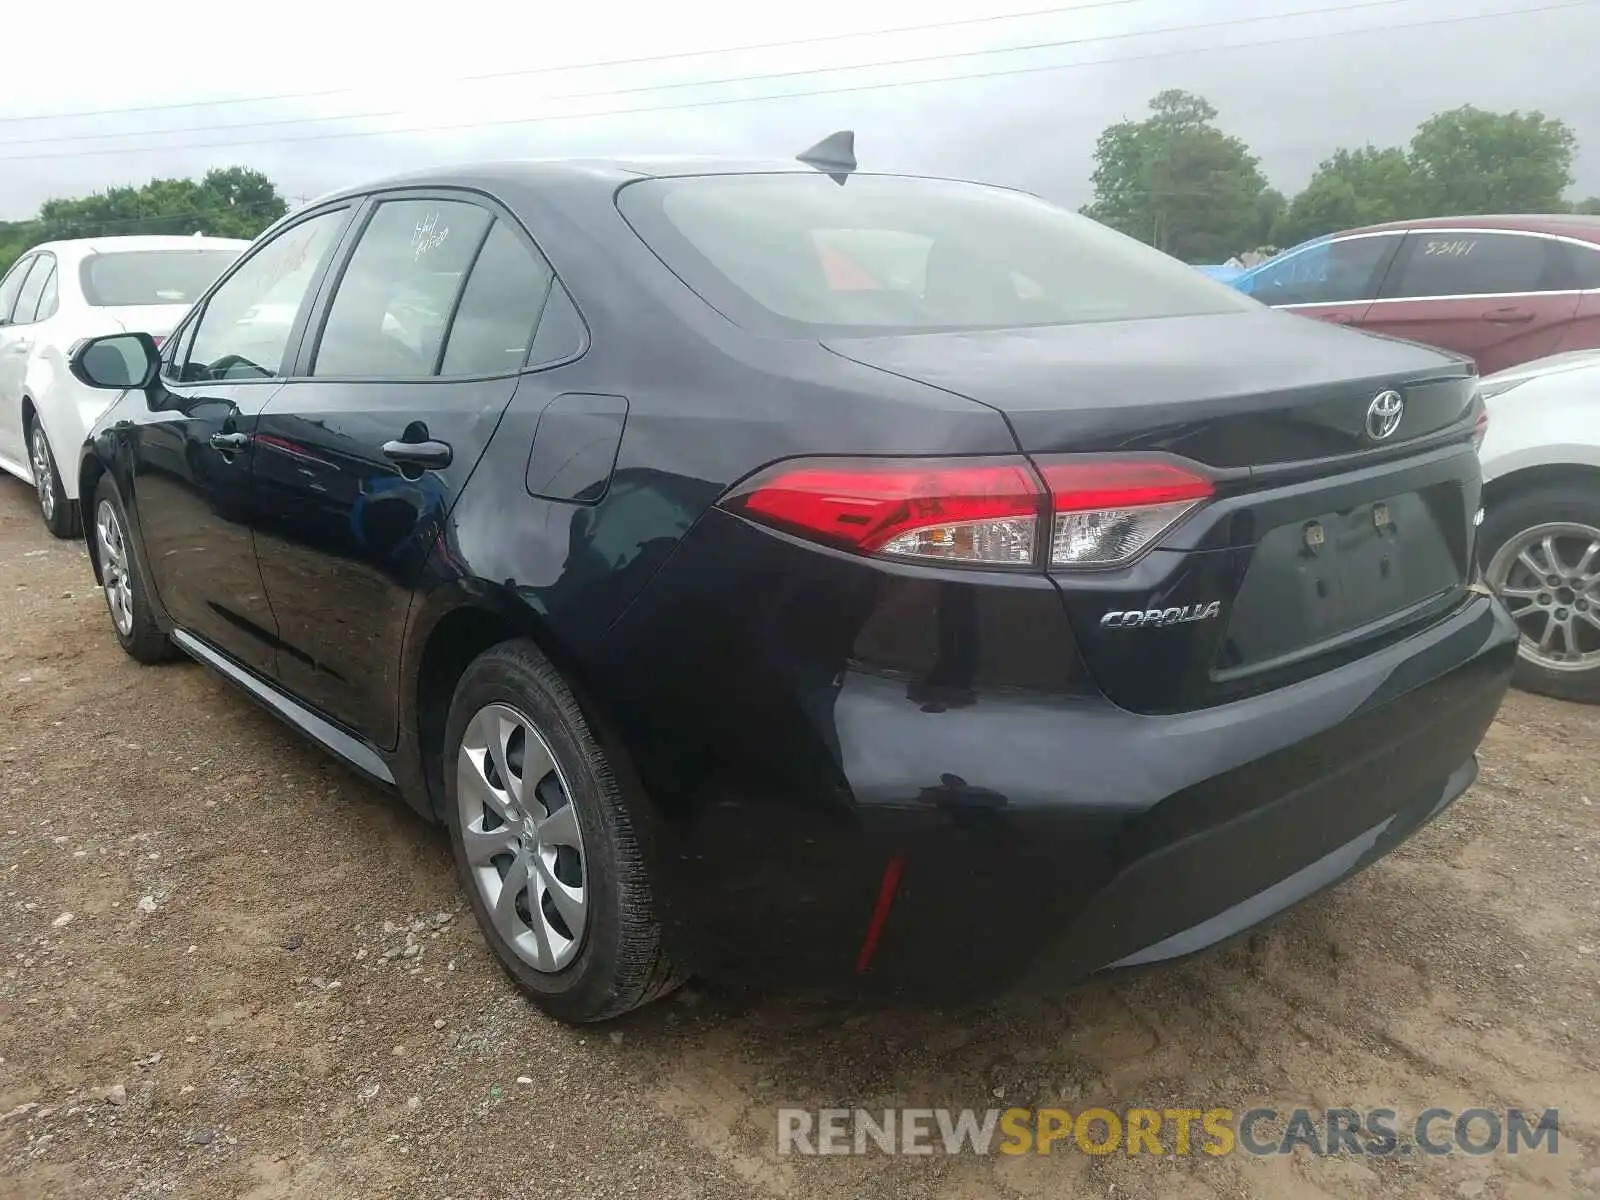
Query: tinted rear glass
[
  {"x": 799, "y": 253},
  {"x": 152, "y": 276}
]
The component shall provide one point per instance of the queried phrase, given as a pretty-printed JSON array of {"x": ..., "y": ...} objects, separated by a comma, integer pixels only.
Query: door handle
[
  {"x": 1508, "y": 316},
  {"x": 431, "y": 456},
  {"x": 229, "y": 443}
]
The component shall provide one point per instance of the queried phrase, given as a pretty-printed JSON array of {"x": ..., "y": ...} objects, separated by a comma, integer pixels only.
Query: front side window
[
  {"x": 12, "y": 284},
  {"x": 1336, "y": 272},
  {"x": 244, "y": 331},
  {"x": 395, "y": 298},
  {"x": 1446, "y": 262},
  {"x": 129, "y": 277},
  {"x": 44, "y": 267},
  {"x": 800, "y": 254}
]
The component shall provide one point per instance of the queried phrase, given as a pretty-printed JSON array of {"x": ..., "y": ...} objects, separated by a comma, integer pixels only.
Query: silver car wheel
[
  {"x": 43, "y": 475},
  {"x": 1549, "y": 578},
  {"x": 521, "y": 835},
  {"x": 114, "y": 567}
]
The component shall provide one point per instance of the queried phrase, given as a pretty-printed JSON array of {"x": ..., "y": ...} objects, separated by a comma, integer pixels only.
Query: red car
[{"x": 1503, "y": 290}]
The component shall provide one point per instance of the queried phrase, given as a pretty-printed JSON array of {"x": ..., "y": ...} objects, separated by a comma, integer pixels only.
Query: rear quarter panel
[
  {"x": 1553, "y": 421},
  {"x": 1583, "y": 331}
]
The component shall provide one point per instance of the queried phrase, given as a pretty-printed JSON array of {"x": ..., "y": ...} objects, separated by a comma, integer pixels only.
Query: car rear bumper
[{"x": 1011, "y": 838}]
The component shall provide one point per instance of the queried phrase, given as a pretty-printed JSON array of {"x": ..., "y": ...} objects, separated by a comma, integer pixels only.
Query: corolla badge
[
  {"x": 1384, "y": 413},
  {"x": 1152, "y": 618}
]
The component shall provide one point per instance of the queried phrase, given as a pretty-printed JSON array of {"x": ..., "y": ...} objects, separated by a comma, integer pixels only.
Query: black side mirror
[{"x": 118, "y": 361}]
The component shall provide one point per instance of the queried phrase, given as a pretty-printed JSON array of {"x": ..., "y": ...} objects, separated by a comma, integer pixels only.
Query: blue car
[{"x": 1300, "y": 273}]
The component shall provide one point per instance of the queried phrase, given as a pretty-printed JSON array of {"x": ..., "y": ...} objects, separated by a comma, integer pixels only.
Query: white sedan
[
  {"x": 1540, "y": 542},
  {"x": 60, "y": 292}
]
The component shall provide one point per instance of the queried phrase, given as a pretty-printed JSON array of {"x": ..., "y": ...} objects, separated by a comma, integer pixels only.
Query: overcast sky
[{"x": 306, "y": 92}]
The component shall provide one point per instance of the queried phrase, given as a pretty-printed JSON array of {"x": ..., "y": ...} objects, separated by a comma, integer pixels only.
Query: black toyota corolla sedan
[{"x": 811, "y": 577}]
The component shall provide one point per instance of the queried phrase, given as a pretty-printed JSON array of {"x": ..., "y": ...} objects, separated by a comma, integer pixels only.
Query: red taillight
[
  {"x": 1108, "y": 512},
  {"x": 980, "y": 511},
  {"x": 1090, "y": 484},
  {"x": 158, "y": 338},
  {"x": 975, "y": 511}
]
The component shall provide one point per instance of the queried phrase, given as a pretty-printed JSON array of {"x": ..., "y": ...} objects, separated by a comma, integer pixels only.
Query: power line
[
  {"x": 763, "y": 77},
  {"x": 641, "y": 60},
  {"x": 831, "y": 91}
]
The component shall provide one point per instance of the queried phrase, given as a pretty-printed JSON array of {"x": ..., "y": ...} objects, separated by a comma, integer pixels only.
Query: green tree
[
  {"x": 227, "y": 202},
  {"x": 1471, "y": 160},
  {"x": 1350, "y": 189},
  {"x": 15, "y": 237},
  {"x": 1589, "y": 207},
  {"x": 1176, "y": 181}
]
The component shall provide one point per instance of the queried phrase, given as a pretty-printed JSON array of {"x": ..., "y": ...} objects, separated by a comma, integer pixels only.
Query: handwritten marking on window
[
  {"x": 1459, "y": 248},
  {"x": 428, "y": 234},
  {"x": 296, "y": 249}
]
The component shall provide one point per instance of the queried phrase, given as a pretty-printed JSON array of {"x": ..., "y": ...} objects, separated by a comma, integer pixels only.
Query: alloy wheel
[
  {"x": 1549, "y": 578},
  {"x": 43, "y": 475},
  {"x": 114, "y": 567},
  {"x": 522, "y": 840}
]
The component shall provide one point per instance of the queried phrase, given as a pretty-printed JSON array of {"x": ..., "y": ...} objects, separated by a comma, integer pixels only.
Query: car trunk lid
[
  {"x": 1241, "y": 389},
  {"x": 1329, "y": 532}
]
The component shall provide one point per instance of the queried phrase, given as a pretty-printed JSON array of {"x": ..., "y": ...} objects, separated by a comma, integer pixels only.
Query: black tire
[
  {"x": 1571, "y": 501},
  {"x": 60, "y": 514},
  {"x": 143, "y": 639},
  {"x": 620, "y": 963}
]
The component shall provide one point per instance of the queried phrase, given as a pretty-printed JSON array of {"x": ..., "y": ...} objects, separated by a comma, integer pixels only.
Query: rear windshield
[
  {"x": 799, "y": 253},
  {"x": 152, "y": 276}
]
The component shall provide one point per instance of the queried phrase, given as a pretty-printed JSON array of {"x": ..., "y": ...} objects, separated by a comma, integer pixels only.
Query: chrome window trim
[{"x": 1453, "y": 296}]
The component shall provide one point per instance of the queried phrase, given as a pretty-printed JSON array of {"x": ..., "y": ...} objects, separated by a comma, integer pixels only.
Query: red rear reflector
[{"x": 967, "y": 510}]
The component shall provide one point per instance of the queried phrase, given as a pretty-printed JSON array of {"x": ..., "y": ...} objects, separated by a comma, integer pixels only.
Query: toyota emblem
[{"x": 1384, "y": 413}]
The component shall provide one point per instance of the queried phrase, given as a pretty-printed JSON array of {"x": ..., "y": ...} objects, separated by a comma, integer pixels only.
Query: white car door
[{"x": 15, "y": 343}]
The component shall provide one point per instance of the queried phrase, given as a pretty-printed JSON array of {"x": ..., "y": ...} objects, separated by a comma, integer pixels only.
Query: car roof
[
  {"x": 146, "y": 242},
  {"x": 1576, "y": 225},
  {"x": 605, "y": 173}
]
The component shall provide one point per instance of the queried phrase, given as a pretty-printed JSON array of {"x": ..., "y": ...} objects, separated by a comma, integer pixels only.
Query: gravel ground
[{"x": 229, "y": 968}]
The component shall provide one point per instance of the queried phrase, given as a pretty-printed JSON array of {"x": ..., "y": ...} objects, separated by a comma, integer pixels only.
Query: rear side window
[
  {"x": 1448, "y": 263},
  {"x": 44, "y": 266},
  {"x": 1585, "y": 262},
  {"x": 138, "y": 277},
  {"x": 394, "y": 301},
  {"x": 1339, "y": 272},
  {"x": 800, "y": 254},
  {"x": 499, "y": 309}
]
